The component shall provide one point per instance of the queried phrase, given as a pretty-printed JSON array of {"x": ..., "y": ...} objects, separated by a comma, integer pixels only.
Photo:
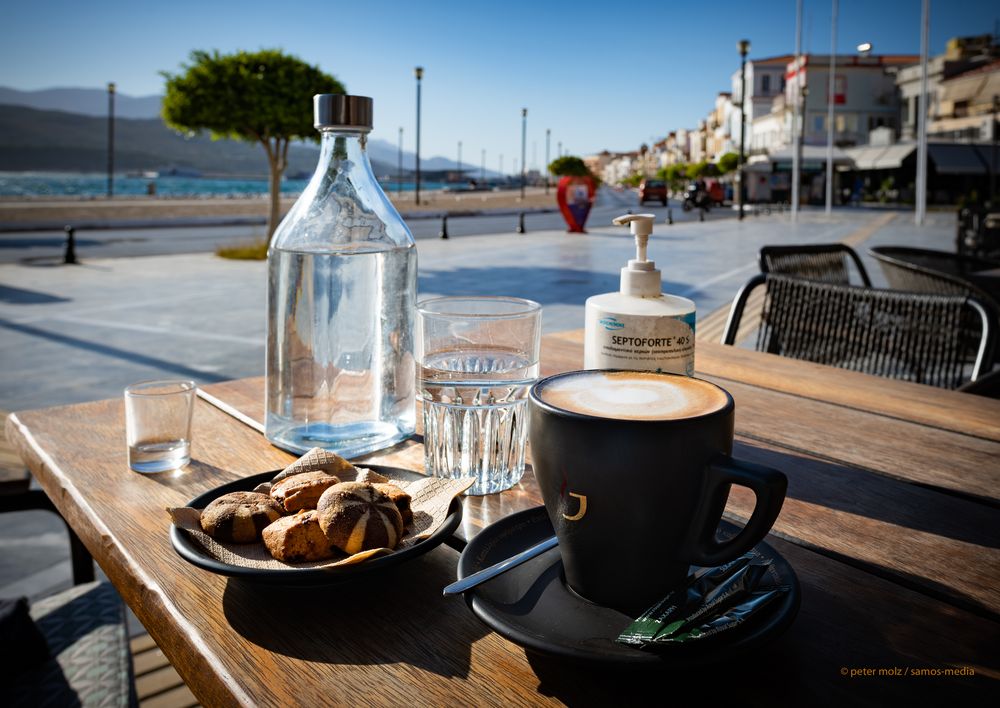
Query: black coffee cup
[{"x": 635, "y": 470}]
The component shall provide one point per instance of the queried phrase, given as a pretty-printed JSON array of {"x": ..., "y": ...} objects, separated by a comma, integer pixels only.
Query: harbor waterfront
[{"x": 65, "y": 184}]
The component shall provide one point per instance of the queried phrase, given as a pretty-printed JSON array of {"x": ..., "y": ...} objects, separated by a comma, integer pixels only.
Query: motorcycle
[{"x": 695, "y": 198}]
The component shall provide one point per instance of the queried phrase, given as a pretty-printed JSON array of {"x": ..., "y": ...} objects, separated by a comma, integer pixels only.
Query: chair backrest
[
  {"x": 826, "y": 262},
  {"x": 922, "y": 270},
  {"x": 941, "y": 340}
]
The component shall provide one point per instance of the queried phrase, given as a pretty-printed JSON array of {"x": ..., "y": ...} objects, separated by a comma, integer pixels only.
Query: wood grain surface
[{"x": 899, "y": 567}]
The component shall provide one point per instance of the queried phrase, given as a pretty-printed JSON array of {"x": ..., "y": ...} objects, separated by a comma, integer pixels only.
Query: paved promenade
[{"x": 78, "y": 333}]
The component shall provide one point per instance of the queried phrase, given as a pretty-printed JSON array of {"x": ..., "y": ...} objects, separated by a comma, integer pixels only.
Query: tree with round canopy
[{"x": 263, "y": 97}]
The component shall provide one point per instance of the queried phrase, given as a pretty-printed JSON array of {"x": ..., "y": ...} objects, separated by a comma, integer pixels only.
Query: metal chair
[
  {"x": 84, "y": 627},
  {"x": 923, "y": 270},
  {"x": 941, "y": 340},
  {"x": 826, "y": 262}
]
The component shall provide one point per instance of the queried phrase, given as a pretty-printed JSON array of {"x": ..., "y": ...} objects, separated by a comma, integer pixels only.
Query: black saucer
[{"x": 531, "y": 605}]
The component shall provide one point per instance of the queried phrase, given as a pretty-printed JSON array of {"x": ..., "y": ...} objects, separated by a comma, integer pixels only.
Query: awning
[
  {"x": 866, "y": 158},
  {"x": 893, "y": 156},
  {"x": 956, "y": 159},
  {"x": 881, "y": 157},
  {"x": 810, "y": 153}
]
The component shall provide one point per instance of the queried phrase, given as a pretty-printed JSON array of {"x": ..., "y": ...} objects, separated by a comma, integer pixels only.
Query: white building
[
  {"x": 765, "y": 80},
  {"x": 865, "y": 96}
]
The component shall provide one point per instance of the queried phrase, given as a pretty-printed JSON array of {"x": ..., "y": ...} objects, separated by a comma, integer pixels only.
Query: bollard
[
  {"x": 70, "y": 257},
  {"x": 444, "y": 227},
  {"x": 701, "y": 214},
  {"x": 670, "y": 216},
  {"x": 520, "y": 223}
]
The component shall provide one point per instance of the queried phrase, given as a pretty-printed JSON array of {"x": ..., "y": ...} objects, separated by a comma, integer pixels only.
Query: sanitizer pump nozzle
[{"x": 640, "y": 278}]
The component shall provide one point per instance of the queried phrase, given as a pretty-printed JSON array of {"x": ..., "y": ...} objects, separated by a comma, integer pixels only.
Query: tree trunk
[
  {"x": 277, "y": 160},
  {"x": 274, "y": 215}
]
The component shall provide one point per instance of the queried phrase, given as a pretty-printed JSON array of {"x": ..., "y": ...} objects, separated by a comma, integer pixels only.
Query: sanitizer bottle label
[{"x": 641, "y": 342}]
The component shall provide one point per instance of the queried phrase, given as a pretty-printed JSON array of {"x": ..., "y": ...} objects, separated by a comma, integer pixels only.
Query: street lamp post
[
  {"x": 524, "y": 137},
  {"x": 921, "y": 196},
  {"x": 419, "y": 73},
  {"x": 744, "y": 47},
  {"x": 830, "y": 98},
  {"x": 460, "y": 160},
  {"x": 993, "y": 160},
  {"x": 797, "y": 112},
  {"x": 482, "y": 171},
  {"x": 399, "y": 169},
  {"x": 111, "y": 139},
  {"x": 548, "y": 134},
  {"x": 559, "y": 149}
]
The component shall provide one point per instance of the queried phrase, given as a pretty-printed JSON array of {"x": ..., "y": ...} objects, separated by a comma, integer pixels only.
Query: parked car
[{"x": 653, "y": 189}]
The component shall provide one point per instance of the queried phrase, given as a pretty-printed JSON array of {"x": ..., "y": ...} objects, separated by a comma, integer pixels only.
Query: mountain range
[{"x": 65, "y": 129}]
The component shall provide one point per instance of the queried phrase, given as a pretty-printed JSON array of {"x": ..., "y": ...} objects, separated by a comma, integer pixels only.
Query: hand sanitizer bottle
[{"x": 639, "y": 328}]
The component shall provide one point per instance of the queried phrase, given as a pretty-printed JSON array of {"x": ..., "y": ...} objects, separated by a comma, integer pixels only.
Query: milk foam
[{"x": 633, "y": 395}]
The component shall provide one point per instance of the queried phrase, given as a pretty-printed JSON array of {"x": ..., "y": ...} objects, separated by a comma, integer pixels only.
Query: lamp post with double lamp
[
  {"x": 744, "y": 47},
  {"x": 419, "y": 73},
  {"x": 111, "y": 139},
  {"x": 524, "y": 137}
]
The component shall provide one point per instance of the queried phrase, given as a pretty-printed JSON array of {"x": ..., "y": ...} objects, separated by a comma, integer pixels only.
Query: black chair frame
[
  {"x": 812, "y": 254},
  {"x": 987, "y": 339}
]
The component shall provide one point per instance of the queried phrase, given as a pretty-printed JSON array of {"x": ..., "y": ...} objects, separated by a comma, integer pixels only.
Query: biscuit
[
  {"x": 357, "y": 517},
  {"x": 239, "y": 517},
  {"x": 400, "y": 498},
  {"x": 302, "y": 491},
  {"x": 298, "y": 538}
]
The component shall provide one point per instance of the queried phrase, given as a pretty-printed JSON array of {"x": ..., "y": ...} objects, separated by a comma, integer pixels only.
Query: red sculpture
[{"x": 575, "y": 196}]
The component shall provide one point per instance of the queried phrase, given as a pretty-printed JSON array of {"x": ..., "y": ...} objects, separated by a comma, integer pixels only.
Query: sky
[{"x": 599, "y": 75}]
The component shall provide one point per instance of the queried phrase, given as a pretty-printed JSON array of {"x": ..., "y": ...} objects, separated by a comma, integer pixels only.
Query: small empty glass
[
  {"x": 158, "y": 424},
  {"x": 477, "y": 357}
]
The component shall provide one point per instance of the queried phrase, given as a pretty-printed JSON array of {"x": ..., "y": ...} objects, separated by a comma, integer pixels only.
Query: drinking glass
[
  {"x": 158, "y": 424},
  {"x": 476, "y": 359}
]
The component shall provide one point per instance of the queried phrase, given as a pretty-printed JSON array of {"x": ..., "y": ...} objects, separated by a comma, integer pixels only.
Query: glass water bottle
[{"x": 342, "y": 271}]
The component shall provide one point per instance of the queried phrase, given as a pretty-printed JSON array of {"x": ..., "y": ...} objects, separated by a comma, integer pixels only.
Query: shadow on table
[
  {"x": 848, "y": 620},
  {"x": 873, "y": 496},
  {"x": 333, "y": 623},
  {"x": 194, "y": 472}
]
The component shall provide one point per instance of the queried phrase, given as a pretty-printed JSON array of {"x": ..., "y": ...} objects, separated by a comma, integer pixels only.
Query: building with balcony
[{"x": 962, "y": 55}]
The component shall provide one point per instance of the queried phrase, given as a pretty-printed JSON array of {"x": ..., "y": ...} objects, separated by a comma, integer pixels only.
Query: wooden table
[{"x": 892, "y": 523}]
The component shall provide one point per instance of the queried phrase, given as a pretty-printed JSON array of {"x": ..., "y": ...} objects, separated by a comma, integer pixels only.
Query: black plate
[
  {"x": 193, "y": 553},
  {"x": 531, "y": 605}
]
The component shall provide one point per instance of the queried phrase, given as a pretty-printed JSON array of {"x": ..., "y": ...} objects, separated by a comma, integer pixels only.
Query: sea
[{"x": 52, "y": 184}]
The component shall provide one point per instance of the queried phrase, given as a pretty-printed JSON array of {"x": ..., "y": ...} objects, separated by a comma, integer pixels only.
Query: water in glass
[{"x": 475, "y": 415}]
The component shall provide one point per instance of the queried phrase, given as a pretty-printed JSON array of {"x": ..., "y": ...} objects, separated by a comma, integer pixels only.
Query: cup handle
[{"x": 767, "y": 484}]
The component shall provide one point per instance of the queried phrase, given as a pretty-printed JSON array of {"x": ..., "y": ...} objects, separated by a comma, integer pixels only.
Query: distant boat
[{"x": 179, "y": 172}]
